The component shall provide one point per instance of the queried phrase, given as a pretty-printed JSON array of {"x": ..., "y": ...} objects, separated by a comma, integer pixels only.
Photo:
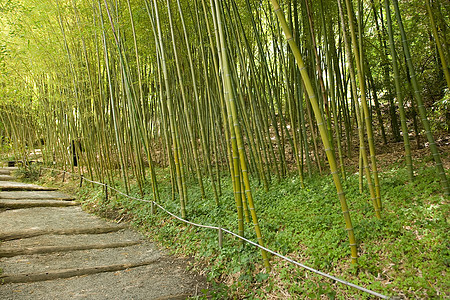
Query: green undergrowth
[
  {"x": 28, "y": 173},
  {"x": 405, "y": 254}
]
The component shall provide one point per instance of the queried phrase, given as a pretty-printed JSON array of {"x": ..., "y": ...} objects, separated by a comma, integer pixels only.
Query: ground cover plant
[{"x": 405, "y": 254}]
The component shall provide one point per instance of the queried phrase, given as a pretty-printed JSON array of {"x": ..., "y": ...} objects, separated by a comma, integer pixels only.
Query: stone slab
[
  {"x": 48, "y": 218},
  {"x": 44, "y": 195},
  {"x": 20, "y": 186},
  {"x": 6, "y": 177},
  {"x": 41, "y": 263},
  {"x": 30, "y": 203},
  {"x": 161, "y": 281},
  {"x": 124, "y": 235}
]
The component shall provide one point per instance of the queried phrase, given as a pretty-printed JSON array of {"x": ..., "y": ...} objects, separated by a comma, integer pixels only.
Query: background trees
[{"x": 207, "y": 87}]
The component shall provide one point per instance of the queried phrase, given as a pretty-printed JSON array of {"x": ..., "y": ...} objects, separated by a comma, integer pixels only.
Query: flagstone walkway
[{"x": 51, "y": 249}]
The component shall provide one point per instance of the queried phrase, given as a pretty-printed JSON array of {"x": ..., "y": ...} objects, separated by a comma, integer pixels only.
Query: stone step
[
  {"x": 162, "y": 280},
  {"x": 67, "y": 273},
  {"x": 8, "y": 170},
  {"x": 11, "y": 252},
  {"x": 20, "y": 186},
  {"x": 30, "y": 203},
  {"x": 41, "y": 195},
  {"x": 79, "y": 259},
  {"x": 44, "y": 220},
  {"x": 6, "y": 177},
  {"x": 34, "y": 232},
  {"x": 50, "y": 240}
]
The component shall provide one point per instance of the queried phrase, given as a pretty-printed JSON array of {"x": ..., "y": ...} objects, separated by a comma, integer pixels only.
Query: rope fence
[{"x": 220, "y": 234}]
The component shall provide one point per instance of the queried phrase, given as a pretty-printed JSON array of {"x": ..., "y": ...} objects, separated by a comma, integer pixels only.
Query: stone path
[{"x": 51, "y": 249}]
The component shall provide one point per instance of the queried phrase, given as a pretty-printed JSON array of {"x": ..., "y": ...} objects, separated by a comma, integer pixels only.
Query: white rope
[
  {"x": 96, "y": 182},
  {"x": 306, "y": 267},
  {"x": 185, "y": 221},
  {"x": 239, "y": 237}
]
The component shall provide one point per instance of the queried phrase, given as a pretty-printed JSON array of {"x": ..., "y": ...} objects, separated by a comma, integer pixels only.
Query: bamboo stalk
[{"x": 322, "y": 129}]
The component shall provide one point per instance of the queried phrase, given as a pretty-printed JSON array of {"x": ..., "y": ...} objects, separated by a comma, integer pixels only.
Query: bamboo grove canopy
[{"x": 258, "y": 89}]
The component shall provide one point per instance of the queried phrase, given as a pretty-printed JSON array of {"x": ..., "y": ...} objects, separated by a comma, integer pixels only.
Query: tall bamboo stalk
[
  {"x": 398, "y": 90},
  {"x": 171, "y": 113},
  {"x": 323, "y": 132},
  {"x": 418, "y": 97},
  {"x": 438, "y": 43},
  {"x": 229, "y": 94},
  {"x": 360, "y": 67}
]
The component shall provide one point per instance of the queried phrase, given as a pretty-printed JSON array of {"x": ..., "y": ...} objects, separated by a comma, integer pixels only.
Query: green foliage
[
  {"x": 28, "y": 172},
  {"x": 441, "y": 113},
  {"x": 406, "y": 251},
  {"x": 70, "y": 73},
  {"x": 5, "y": 148}
]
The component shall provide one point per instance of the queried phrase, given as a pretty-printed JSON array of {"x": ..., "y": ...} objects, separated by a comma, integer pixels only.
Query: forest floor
[{"x": 51, "y": 249}]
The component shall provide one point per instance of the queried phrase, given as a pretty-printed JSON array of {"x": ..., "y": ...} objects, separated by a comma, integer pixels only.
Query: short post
[
  {"x": 64, "y": 176},
  {"x": 81, "y": 180},
  {"x": 153, "y": 207},
  {"x": 220, "y": 237},
  {"x": 40, "y": 171},
  {"x": 106, "y": 192}
]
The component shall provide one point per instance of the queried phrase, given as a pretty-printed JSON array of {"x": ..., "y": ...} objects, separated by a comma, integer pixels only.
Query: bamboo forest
[{"x": 317, "y": 129}]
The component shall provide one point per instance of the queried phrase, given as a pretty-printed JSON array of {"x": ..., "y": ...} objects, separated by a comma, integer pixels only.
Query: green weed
[
  {"x": 406, "y": 253},
  {"x": 28, "y": 172}
]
